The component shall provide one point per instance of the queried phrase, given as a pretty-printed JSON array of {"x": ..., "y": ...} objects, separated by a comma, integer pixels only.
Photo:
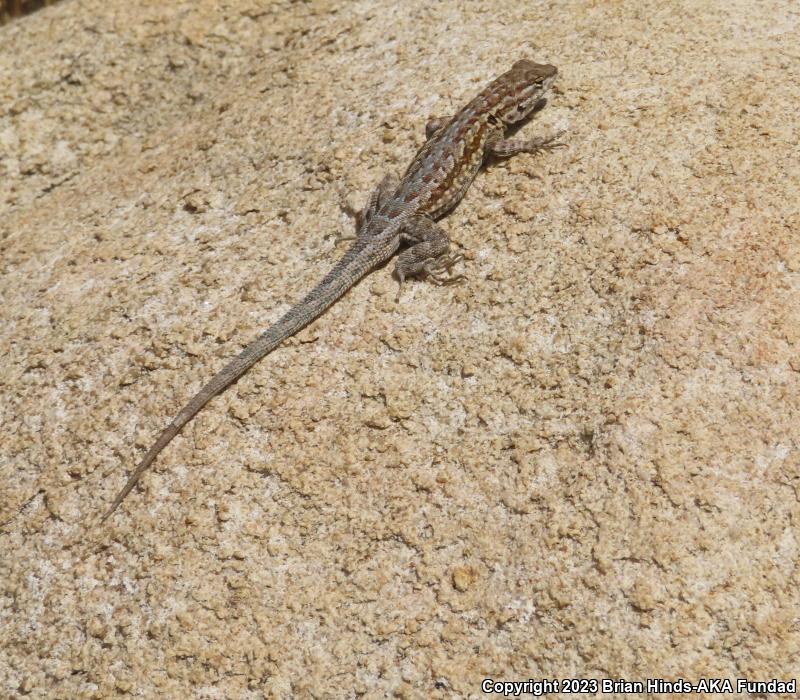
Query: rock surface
[{"x": 581, "y": 463}]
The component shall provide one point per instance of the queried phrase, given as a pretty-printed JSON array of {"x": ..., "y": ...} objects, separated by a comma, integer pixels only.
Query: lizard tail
[{"x": 355, "y": 263}]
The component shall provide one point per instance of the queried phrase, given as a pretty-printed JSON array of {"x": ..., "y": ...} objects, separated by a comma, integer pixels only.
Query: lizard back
[{"x": 449, "y": 160}]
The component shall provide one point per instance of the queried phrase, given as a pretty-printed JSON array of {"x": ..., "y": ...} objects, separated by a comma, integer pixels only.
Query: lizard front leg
[
  {"x": 428, "y": 255},
  {"x": 510, "y": 147}
]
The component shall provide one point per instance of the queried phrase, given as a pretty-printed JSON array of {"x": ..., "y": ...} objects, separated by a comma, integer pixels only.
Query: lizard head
[{"x": 519, "y": 91}]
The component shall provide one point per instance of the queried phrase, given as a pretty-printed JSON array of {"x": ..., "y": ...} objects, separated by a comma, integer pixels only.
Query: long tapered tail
[{"x": 355, "y": 263}]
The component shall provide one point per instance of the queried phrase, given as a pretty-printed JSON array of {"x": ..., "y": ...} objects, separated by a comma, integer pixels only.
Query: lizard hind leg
[
  {"x": 435, "y": 123},
  {"x": 381, "y": 194},
  {"x": 428, "y": 255}
]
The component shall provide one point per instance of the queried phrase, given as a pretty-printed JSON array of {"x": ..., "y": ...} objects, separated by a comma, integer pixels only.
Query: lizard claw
[
  {"x": 436, "y": 269},
  {"x": 552, "y": 142},
  {"x": 341, "y": 238},
  {"x": 400, "y": 280}
]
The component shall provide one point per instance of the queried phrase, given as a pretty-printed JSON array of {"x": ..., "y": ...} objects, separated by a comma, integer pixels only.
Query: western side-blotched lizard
[{"x": 399, "y": 213}]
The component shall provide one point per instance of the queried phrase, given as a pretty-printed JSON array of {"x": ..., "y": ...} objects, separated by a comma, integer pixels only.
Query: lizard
[{"x": 400, "y": 213}]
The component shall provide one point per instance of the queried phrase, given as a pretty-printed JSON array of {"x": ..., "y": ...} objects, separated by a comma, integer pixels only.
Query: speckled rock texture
[{"x": 581, "y": 463}]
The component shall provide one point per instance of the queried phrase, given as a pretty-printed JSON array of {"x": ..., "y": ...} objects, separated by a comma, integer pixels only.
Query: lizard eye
[{"x": 521, "y": 107}]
